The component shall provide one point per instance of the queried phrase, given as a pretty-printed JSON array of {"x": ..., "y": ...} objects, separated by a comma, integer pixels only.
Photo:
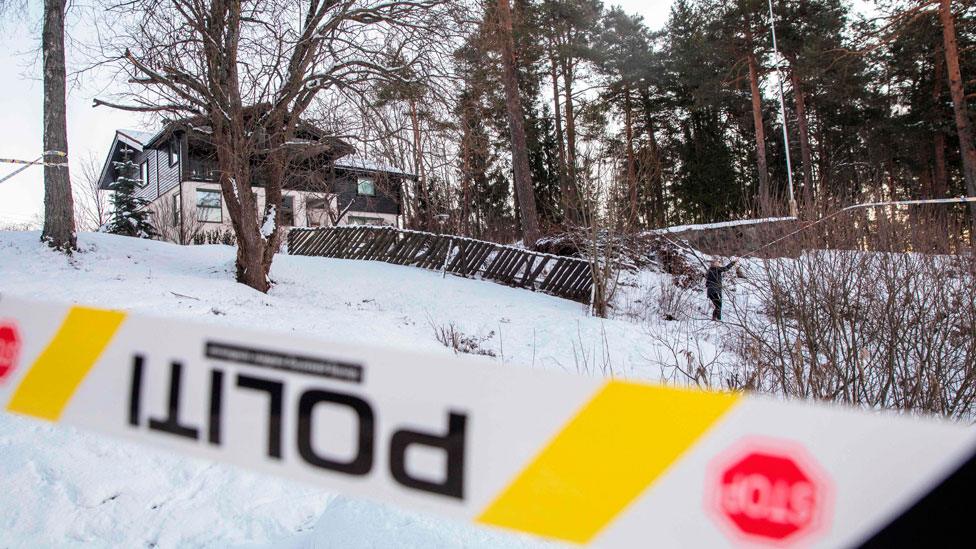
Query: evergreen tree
[
  {"x": 685, "y": 114},
  {"x": 129, "y": 214},
  {"x": 623, "y": 55},
  {"x": 708, "y": 181}
]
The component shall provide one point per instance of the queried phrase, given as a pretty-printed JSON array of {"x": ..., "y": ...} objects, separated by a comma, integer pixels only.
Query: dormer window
[{"x": 365, "y": 186}]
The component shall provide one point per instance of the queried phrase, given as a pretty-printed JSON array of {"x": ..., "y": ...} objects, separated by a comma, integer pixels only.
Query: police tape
[{"x": 569, "y": 458}]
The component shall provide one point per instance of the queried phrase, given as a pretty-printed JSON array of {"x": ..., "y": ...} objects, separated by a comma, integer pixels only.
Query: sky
[{"x": 90, "y": 130}]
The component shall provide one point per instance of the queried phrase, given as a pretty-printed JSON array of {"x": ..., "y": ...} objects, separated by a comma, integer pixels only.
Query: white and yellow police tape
[{"x": 574, "y": 459}]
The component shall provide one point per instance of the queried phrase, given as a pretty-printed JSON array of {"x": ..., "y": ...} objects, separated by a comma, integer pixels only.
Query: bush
[
  {"x": 453, "y": 338},
  {"x": 882, "y": 330},
  {"x": 215, "y": 236}
]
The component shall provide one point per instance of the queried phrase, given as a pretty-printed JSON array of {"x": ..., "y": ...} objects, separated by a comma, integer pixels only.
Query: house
[{"x": 179, "y": 177}]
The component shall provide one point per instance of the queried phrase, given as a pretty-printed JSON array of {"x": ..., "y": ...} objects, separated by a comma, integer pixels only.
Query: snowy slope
[
  {"x": 62, "y": 487},
  {"x": 358, "y": 301}
]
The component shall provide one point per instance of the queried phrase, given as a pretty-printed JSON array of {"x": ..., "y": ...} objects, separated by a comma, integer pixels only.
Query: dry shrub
[
  {"x": 215, "y": 236},
  {"x": 674, "y": 260},
  {"x": 880, "y": 329},
  {"x": 685, "y": 357},
  {"x": 453, "y": 338},
  {"x": 674, "y": 302}
]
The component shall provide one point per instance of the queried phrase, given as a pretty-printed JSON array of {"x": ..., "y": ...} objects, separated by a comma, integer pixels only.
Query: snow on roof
[
  {"x": 721, "y": 225},
  {"x": 140, "y": 136},
  {"x": 362, "y": 163}
]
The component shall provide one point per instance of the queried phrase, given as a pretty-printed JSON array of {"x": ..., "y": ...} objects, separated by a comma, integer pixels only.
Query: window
[
  {"x": 317, "y": 204},
  {"x": 316, "y": 211},
  {"x": 288, "y": 211},
  {"x": 208, "y": 206},
  {"x": 365, "y": 186},
  {"x": 176, "y": 210},
  {"x": 174, "y": 152},
  {"x": 203, "y": 169},
  {"x": 360, "y": 220},
  {"x": 144, "y": 174}
]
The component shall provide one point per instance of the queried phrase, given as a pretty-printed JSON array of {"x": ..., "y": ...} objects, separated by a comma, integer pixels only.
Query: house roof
[
  {"x": 133, "y": 139},
  {"x": 138, "y": 136},
  {"x": 312, "y": 141},
  {"x": 367, "y": 164}
]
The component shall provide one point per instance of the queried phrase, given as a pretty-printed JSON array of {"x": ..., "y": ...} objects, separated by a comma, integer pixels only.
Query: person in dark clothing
[{"x": 713, "y": 285}]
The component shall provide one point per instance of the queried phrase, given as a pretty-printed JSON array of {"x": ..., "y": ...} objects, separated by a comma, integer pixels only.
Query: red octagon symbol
[
  {"x": 9, "y": 348},
  {"x": 766, "y": 493}
]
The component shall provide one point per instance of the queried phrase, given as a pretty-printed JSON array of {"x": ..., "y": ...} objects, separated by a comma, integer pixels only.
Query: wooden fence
[{"x": 567, "y": 277}]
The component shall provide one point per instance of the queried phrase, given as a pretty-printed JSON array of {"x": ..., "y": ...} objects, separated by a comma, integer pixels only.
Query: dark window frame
[
  {"x": 144, "y": 174},
  {"x": 289, "y": 210},
  {"x": 350, "y": 220},
  {"x": 372, "y": 181},
  {"x": 219, "y": 207},
  {"x": 317, "y": 211},
  {"x": 174, "y": 152}
]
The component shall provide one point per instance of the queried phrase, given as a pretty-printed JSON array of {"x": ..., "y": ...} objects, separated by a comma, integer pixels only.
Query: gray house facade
[{"x": 179, "y": 178}]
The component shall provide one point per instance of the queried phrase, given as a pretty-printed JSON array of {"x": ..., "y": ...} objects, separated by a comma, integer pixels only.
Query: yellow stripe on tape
[
  {"x": 60, "y": 369},
  {"x": 605, "y": 457}
]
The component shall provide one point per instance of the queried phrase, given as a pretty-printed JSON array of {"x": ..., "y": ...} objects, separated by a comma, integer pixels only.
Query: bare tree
[
  {"x": 59, "y": 220},
  {"x": 248, "y": 71},
  {"x": 91, "y": 202},
  {"x": 598, "y": 238},
  {"x": 173, "y": 224}
]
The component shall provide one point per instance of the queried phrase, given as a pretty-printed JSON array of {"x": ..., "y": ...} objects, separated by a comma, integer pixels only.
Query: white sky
[{"x": 90, "y": 131}]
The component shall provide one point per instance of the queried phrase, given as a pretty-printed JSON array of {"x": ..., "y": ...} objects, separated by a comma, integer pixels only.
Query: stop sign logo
[
  {"x": 769, "y": 492},
  {"x": 9, "y": 348}
]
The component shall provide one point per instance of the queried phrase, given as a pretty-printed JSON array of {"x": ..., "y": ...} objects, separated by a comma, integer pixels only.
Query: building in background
[{"x": 179, "y": 177}]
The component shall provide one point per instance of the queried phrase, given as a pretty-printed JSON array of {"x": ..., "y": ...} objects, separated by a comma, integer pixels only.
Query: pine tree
[
  {"x": 569, "y": 27},
  {"x": 59, "y": 220},
  {"x": 623, "y": 57},
  {"x": 525, "y": 194},
  {"x": 129, "y": 214}
]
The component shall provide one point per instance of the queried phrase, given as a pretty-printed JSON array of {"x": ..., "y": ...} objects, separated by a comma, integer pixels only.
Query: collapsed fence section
[{"x": 567, "y": 277}]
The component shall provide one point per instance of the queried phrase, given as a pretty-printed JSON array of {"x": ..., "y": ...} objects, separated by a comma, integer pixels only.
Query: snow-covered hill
[{"x": 62, "y": 487}]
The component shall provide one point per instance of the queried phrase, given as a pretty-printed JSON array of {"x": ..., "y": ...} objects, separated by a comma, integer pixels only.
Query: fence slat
[{"x": 567, "y": 277}]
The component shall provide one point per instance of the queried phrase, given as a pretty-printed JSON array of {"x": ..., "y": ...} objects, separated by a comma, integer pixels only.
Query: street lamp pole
[{"x": 782, "y": 109}]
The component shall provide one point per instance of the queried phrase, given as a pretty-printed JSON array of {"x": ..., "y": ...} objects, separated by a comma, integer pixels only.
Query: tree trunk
[
  {"x": 963, "y": 123},
  {"x": 465, "y": 176},
  {"x": 806, "y": 155},
  {"x": 234, "y": 152},
  {"x": 59, "y": 219},
  {"x": 418, "y": 159},
  {"x": 757, "y": 120},
  {"x": 516, "y": 124},
  {"x": 576, "y": 204},
  {"x": 940, "y": 183},
  {"x": 660, "y": 209},
  {"x": 631, "y": 163},
  {"x": 566, "y": 191}
]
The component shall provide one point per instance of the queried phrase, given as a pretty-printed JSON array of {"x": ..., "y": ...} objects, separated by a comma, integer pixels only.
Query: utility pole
[{"x": 782, "y": 109}]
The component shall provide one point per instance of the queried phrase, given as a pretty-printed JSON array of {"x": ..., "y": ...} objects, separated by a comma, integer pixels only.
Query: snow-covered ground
[{"x": 63, "y": 487}]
